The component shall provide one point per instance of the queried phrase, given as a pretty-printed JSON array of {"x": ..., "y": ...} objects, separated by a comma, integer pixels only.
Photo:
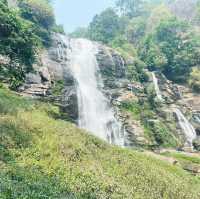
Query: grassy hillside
[{"x": 44, "y": 157}]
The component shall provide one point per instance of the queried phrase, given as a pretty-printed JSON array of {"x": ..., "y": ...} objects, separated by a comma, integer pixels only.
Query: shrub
[
  {"x": 104, "y": 27},
  {"x": 194, "y": 80},
  {"x": 17, "y": 38},
  {"x": 38, "y": 11}
]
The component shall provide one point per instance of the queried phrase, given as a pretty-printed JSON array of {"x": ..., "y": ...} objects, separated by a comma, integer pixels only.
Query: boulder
[
  {"x": 33, "y": 78},
  {"x": 196, "y": 144},
  {"x": 44, "y": 73},
  {"x": 195, "y": 169}
]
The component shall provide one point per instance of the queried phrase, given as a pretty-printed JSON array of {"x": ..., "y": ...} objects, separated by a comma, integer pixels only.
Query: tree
[
  {"x": 175, "y": 46},
  {"x": 104, "y": 27},
  {"x": 194, "y": 80},
  {"x": 130, "y": 8},
  {"x": 80, "y": 32},
  {"x": 38, "y": 11},
  {"x": 19, "y": 42}
]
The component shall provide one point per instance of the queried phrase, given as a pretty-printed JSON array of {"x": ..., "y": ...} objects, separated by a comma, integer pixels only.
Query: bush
[
  {"x": 104, "y": 27},
  {"x": 194, "y": 80},
  {"x": 80, "y": 33},
  {"x": 173, "y": 48},
  {"x": 17, "y": 38},
  {"x": 38, "y": 11},
  {"x": 58, "y": 29}
]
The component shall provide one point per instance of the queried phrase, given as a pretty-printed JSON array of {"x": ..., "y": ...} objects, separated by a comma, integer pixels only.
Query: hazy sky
[{"x": 76, "y": 13}]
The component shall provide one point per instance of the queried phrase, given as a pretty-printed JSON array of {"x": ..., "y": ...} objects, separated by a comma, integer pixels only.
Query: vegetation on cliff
[{"x": 24, "y": 31}]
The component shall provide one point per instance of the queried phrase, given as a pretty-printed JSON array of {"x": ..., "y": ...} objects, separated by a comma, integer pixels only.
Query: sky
[{"x": 78, "y": 13}]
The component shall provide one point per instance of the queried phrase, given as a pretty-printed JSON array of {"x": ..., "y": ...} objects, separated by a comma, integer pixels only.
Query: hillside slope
[{"x": 42, "y": 156}]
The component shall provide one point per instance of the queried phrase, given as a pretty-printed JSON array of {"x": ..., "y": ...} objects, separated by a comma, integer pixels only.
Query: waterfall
[
  {"x": 155, "y": 82},
  {"x": 185, "y": 125},
  {"x": 95, "y": 112}
]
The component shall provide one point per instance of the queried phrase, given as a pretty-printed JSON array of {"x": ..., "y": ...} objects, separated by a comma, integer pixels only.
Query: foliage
[
  {"x": 58, "y": 29},
  {"x": 24, "y": 183},
  {"x": 17, "y": 38},
  {"x": 158, "y": 14},
  {"x": 38, "y": 11},
  {"x": 104, "y": 27},
  {"x": 18, "y": 41},
  {"x": 135, "y": 30},
  {"x": 22, "y": 33},
  {"x": 124, "y": 47},
  {"x": 161, "y": 134},
  {"x": 136, "y": 71},
  {"x": 173, "y": 49},
  {"x": 80, "y": 33},
  {"x": 130, "y": 8},
  {"x": 58, "y": 88},
  {"x": 194, "y": 79},
  {"x": 150, "y": 29}
]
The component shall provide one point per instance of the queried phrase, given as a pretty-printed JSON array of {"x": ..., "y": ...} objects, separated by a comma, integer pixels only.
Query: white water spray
[
  {"x": 95, "y": 112},
  {"x": 185, "y": 125},
  {"x": 157, "y": 89}
]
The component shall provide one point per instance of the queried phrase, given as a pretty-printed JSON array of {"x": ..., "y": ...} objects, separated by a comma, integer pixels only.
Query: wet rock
[
  {"x": 196, "y": 144},
  {"x": 32, "y": 78},
  {"x": 69, "y": 103},
  {"x": 112, "y": 67}
]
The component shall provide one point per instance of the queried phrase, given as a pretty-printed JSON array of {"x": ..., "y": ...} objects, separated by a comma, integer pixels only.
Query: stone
[
  {"x": 195, "y": 169},
  {"x": 196, "y": 144},
  {"x": 69, "y": 102},
  {"x": 112, "y": 67},
  {"x": 44, "y": 73},
  {"x": 4, "y": 60},
  {"x": 32, "y": 78}
]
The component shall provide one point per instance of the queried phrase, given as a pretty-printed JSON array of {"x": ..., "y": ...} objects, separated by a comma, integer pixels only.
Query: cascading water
[
  {"x": 95, "y": 113},
  {"x": 187, "y": 128},
  {"x": 157, "y": 89}
]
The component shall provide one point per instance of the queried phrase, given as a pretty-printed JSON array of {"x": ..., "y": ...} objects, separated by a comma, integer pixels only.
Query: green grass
[
  {"x": 183, "y": 157},
  {"x": 48, "y": 158},
  {"x": 10, "y": 103}
]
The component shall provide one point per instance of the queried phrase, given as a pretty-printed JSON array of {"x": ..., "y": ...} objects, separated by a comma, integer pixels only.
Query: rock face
[{"x": 51, "y": 68}]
